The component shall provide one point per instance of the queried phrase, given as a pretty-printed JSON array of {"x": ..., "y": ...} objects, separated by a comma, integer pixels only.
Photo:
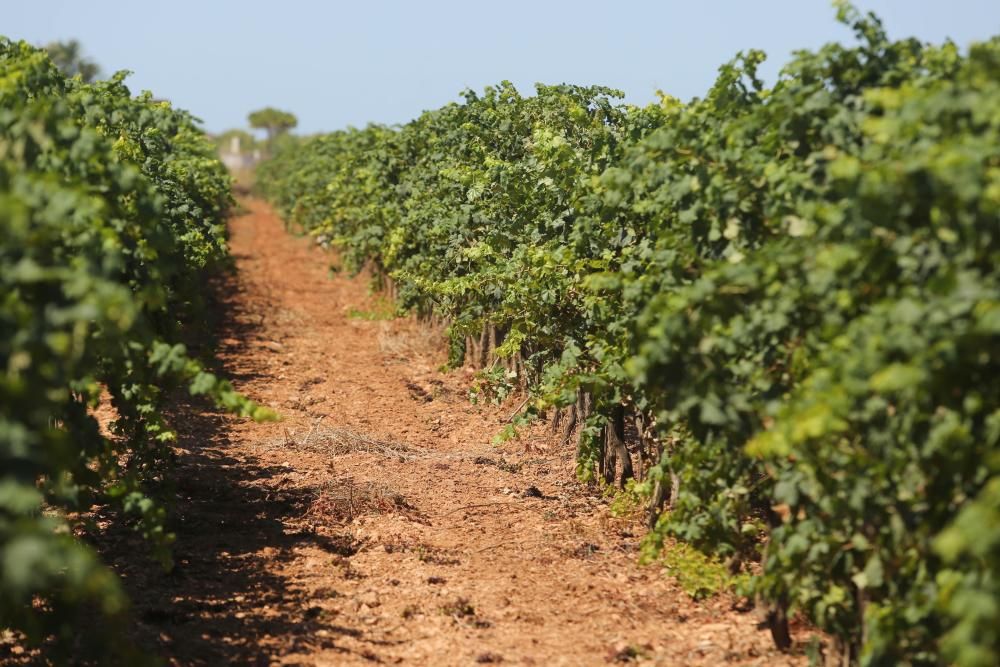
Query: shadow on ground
[{"x": 226, "y": 600}]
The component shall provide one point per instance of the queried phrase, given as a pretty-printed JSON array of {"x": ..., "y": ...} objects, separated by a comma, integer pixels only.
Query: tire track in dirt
[{"x": 376, "y": 522}]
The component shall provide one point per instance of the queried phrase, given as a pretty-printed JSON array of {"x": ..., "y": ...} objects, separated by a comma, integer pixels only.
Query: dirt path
[{"x": 377, "y": 523}]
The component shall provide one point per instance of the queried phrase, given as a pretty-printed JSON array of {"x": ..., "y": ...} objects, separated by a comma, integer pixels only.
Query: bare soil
[{"x": 376, "y": 523}]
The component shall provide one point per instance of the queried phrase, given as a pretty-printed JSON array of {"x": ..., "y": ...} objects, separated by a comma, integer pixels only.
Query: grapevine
[
  {"x": 111, "y": 216},
  {"x": 792, "y": 291}
]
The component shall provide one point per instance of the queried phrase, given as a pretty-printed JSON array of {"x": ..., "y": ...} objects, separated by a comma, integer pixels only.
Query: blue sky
[{"x": 347, "y": 63}]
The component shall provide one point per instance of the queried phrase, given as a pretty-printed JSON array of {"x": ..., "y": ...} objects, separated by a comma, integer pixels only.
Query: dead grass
[
  {"x": 334, "y": 441},
  {"x": 342, "y": 441},
  {"x": 406, "y": 340},
  {"x": 343, "y": 499}
]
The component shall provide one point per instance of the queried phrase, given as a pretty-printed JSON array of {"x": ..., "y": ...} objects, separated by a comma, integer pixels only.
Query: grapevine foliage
[
  {"x": 111, "y": 213},
  {"x": 795, "y": 288}
]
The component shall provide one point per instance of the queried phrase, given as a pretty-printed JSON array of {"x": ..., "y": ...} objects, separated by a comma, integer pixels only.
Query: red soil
[{"x": 377, "y": 522}]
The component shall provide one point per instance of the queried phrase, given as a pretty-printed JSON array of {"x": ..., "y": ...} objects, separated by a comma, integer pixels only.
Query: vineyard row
[
  {"x": 788, "y": 297},
  {"x": 112, "y": 215}
]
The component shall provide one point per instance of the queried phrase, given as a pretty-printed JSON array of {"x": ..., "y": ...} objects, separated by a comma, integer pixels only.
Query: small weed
[
  {"x": 458, "y": 608},
  {"x": 500, "y": 464},
  {"x": 628, "y": 653},
  {"x": 699, "y": 575},
  {"x": 435, "y": 557},
  {"x": 381, "y": 310},
  {"x": 630, "y": 500},
  {"x": 585, "y": 550},
  {"x": 493, "y": 385},
  {"x": 462, "y": 611},
  {"x": 512, "y": 468}
]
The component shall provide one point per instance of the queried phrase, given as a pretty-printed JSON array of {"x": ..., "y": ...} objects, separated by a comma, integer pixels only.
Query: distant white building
[{"x": 234, "y": 158}]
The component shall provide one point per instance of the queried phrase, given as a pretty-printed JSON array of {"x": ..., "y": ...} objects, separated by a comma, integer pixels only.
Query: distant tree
[
  {"x": 273, "y": 121},
  {"x": 68, "y": 56}
]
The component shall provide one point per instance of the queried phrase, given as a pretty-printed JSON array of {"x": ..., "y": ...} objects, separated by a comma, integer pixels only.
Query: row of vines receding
[
  {"x": 790, "y": 295},
  {"x": 111, "y": 216}
]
